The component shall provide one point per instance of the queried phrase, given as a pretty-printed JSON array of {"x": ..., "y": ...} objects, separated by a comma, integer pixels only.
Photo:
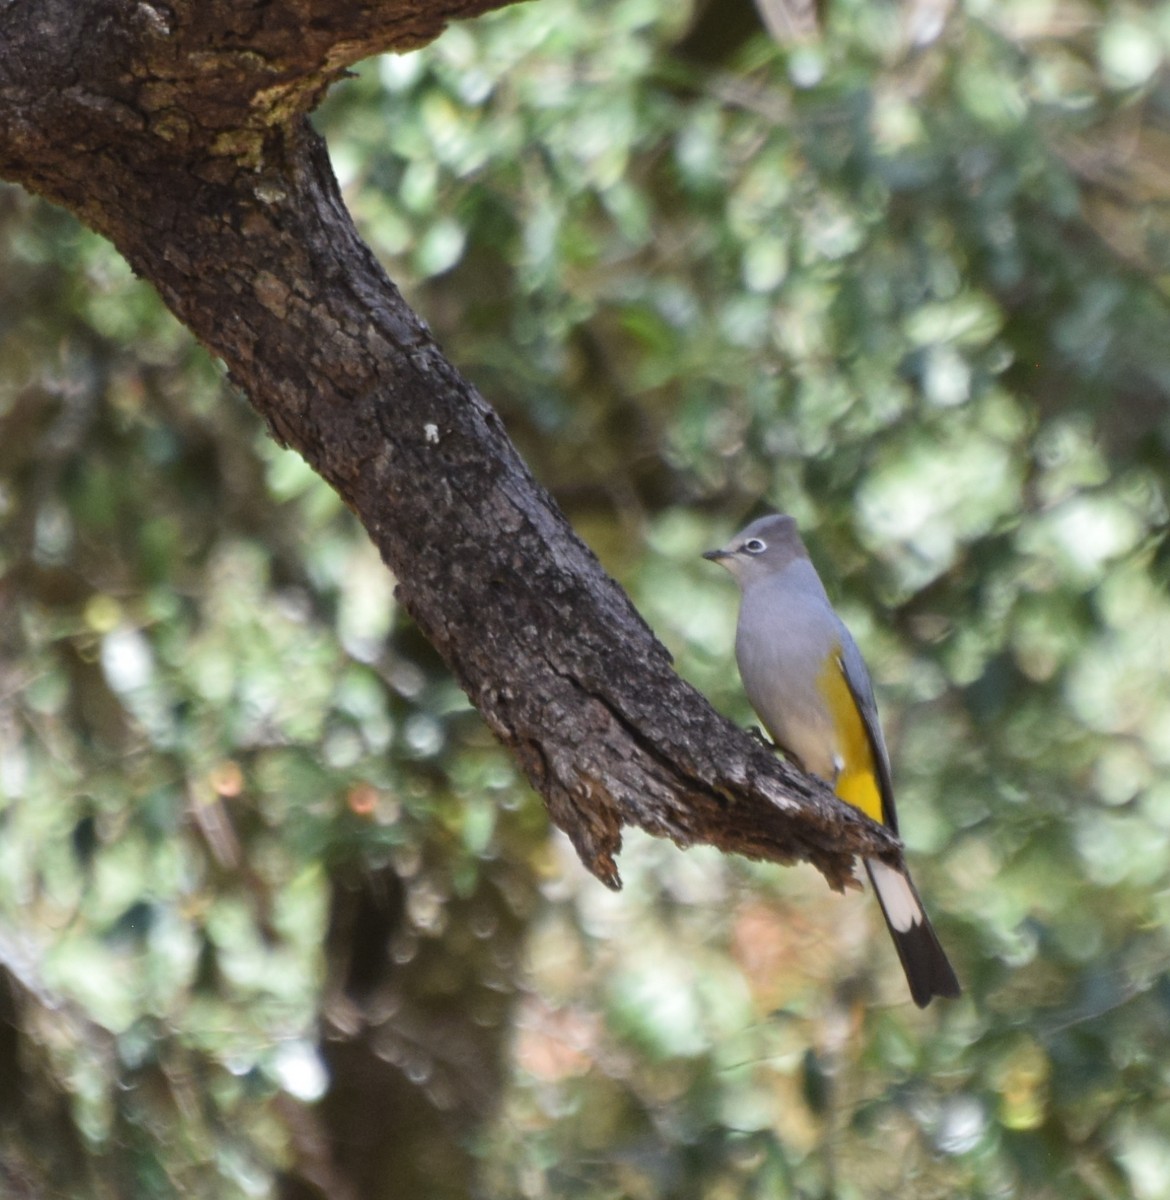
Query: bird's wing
[{"x": 857, "y": 678}]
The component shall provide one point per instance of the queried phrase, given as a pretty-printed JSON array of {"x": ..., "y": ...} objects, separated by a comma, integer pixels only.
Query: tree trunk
[{"x": 179, "y": 131}]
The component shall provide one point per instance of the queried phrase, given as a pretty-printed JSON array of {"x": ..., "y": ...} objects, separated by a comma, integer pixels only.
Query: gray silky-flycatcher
[{"x": 805, "y": 677}]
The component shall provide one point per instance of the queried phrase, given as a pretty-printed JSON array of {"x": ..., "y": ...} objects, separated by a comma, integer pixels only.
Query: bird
[{"x": 807, "y": 681}]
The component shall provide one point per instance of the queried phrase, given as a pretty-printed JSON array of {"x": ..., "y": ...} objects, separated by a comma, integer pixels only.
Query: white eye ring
[{"x": 755, "y": 546}]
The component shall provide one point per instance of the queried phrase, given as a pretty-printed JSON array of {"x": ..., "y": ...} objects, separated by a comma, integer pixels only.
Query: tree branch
[{"x": 182, "y": 138}]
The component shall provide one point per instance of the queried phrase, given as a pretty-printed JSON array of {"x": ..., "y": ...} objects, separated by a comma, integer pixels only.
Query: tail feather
[{"x": 928, "y": 971}]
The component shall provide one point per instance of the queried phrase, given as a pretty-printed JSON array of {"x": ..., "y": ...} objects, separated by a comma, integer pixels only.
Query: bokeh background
[{"x": 277, "y": 917}]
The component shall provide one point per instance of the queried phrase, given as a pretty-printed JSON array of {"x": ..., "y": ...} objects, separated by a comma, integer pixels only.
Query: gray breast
[{"x": 787, "y": 631}]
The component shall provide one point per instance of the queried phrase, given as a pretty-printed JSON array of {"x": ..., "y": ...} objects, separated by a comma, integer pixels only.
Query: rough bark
[{"x": 179, "y": 131}]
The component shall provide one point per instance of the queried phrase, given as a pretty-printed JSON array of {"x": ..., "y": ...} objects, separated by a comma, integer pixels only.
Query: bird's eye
[{"x": 755, "y": 546}]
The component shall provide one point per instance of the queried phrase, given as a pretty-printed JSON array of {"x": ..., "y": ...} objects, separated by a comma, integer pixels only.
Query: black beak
[{"x": 716, "y": 555}]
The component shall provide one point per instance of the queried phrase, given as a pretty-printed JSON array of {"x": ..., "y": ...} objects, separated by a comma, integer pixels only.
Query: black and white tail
[{"x": 928, "y": 971}]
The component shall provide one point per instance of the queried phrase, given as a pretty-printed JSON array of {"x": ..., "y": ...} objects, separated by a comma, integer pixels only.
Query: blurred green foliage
[{"x": 277, "y": 917}]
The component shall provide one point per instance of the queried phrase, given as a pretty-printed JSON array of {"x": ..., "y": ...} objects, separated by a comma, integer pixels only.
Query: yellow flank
[{"x": 856, "y": 780}]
